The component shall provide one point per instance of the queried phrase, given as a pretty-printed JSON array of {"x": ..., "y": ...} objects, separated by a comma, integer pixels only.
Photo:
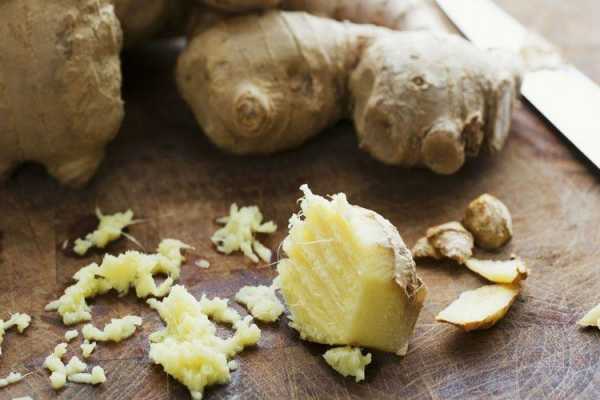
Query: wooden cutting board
[{"x": 169, "y": 174}]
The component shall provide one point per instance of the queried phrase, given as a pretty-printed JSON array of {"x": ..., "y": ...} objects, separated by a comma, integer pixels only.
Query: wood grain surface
[{"x": 163, "y": 168}]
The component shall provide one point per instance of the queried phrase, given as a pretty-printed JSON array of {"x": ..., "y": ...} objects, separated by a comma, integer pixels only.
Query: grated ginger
[
  {"x": 130, "y": 269},
  {"x": 188, "y": 348},
  {"x": 70, "y": 335},
  {"x": 97, "y": 376},
  {"x": 238, "y": 233},
  {"x": 116, "y": 330},
  {"x": 20, "y": 320},
  {"x": 348, "y": 361},
  {"x": 87, "y": 348},
  {"x": 261, "y": 301},
  {"x": 13, "y": 377},
  {"x": 54, "y": 364},
  {"x": 110, "y": 228}
]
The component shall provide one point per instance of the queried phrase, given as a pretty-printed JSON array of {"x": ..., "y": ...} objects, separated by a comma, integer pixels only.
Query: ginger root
[
  {"x": 480, "y": 308},
  {"x": 343, "y": 262},
  {"x": 60, "y": 85},
  {"x": 417, "y": 98},
  {"x": 490, "y": 222}
]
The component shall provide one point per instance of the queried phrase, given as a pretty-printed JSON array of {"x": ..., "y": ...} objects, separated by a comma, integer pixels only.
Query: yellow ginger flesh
[
  {"x": 508, "y": 271},
  {"x": 87, "y": 348},
  {"x": 13, "y": 377},
  {"x": 348, "y": 361},
  {"x": 95, "y": 377},
  {"x": 131, "y": 269},
  {"x": 480, "y": 308},
  {"x": 238, "y": 233},
  {"x": 54, "y": 364},
  {"x": 71, "y": 334},
  {"x": 591, "y": 318},
  {"x": 117, "y": 330},
  {"x": 261, "y": 301},
  {"x": 110, "y": 228},
  {"x": 349, "y": 278},
  {"x": 20, "y": 320},
  {"x": 188, "y": 348}
]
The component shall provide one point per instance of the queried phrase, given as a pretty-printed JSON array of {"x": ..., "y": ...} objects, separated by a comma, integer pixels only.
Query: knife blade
[{"x": 567, "y": 98}]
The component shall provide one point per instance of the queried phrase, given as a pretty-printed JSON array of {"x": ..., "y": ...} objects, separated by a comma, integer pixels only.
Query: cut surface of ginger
[
  {"x": 20, "y": 320},
  {"x": 591, "y": 318},
  {"x": 239, "y": 231},
  {"x": 348, "y": 278},
  {"x": 131, "y": 269},
  {"x": 116, "y": 330},
  {"x": 261, "y": 301},
  {"x": 509, "y": 271},
  {"x": 189, "y": 349},
  {"x": 480, "y": 308},
  {"x": 348, "y": 361},
  {"x": 110, "y": 228}
]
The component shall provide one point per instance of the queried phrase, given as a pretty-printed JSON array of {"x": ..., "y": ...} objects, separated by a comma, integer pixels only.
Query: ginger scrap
[
  {"x": 591, "y": 318},
  {"x": 480, "y": 308},
  {"x": 87, "y": 348},
  {"x": 188, "y": 348},
  {"x": 109, "y": 229},
  {"x": 54, "y": 364},
  {"x": 95, "y": 377},
  {"x": 13, "y": 377},
  {"x": 343, "y": 263},
  {"x": 131, "y": 269},
  {"x": 238, "y": 233},
  {"x": 71, "y": 334},
  {"x": 20, "y": 320},
  {"x": 451, "y": 240},
  {"x": 261, "y": 301},
  {"x": 116, "y": 331},
  {"x": 424, "y": 249},
  {"x": 510, "y": 271},
  {"x": 490, "y": 222},
  {"x": 348, "y": 361}
]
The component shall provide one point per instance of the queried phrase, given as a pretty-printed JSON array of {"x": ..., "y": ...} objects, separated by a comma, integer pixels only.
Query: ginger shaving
[{"x": 110, "y": 228}]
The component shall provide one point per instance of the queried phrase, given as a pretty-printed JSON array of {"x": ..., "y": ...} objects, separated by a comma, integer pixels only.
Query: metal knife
[{"x": 568, "y": 99}]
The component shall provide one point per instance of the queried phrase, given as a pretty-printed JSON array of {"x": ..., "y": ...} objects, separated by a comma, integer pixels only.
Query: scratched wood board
[{"x": 163, "y": 168}]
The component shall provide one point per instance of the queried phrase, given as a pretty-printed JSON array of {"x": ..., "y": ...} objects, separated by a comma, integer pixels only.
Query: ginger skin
[
  {"x": 60, "y": 83},
  {"x": 417, "y": 98},
  {"x": 490, "y": 222}
]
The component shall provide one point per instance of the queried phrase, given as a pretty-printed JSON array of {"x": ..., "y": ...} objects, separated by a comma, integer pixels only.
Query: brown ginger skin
[
  {"x": 490, "y": 222},
  {"x": 417, "y": 98},
  {"x": 60, "y": 83}
]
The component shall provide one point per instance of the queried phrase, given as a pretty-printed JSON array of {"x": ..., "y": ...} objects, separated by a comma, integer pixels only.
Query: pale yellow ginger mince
[
  {"x": 95, "y": 377},
  {"x": 116, "y": 330},
  {"x": 87, "y": 348},
  {"x": 54, "y": 364},
  {"x": 238, "y": 233},
  {"x": 20, "y": 320},
  {"x": 110, "y": 228},
  {"x": 70, "y": 335},
  {"x": 13, "y": 377},
  {"x": 261, "y": 301},
  {"x": 23, "y": 398},
  {"x": 131, "y": 269},
  {"x": 348, "y": 361},
  {"x": 188, "y": 348}
]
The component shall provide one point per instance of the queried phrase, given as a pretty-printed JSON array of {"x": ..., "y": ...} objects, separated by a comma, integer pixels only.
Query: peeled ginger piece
[
  {"x": 348, "y": 361},
  {"x": 480, "y": 308},
  {"x": 509, "y": 271},
  {"x": 591, "y": 318},
  {"x": 348, "y": 279}
]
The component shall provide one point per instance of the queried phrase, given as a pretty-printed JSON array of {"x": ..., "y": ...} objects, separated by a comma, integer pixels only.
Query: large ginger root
[
  {"x": 60, "y": 83},
  {"x": 348, "y": 278},
  {"x": 417, "y": 98}
]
